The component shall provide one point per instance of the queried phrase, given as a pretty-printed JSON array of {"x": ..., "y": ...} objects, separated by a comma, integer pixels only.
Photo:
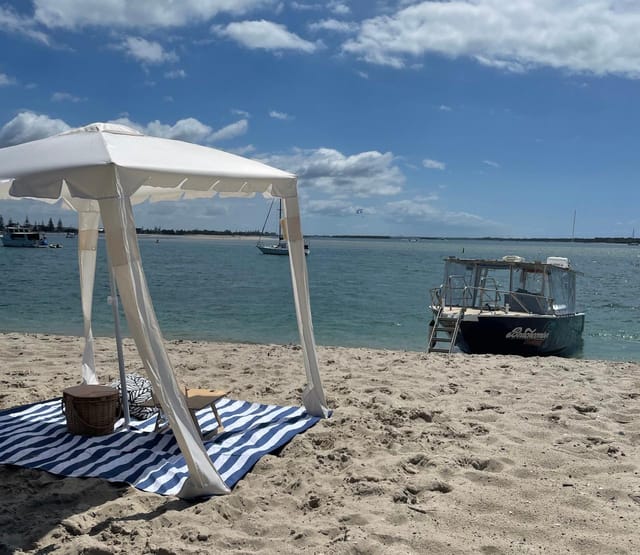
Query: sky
[{"x": 462, "y": 118}]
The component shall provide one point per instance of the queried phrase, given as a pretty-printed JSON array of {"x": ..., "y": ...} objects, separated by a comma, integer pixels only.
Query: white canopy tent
[{"x": 101, "y": 170}]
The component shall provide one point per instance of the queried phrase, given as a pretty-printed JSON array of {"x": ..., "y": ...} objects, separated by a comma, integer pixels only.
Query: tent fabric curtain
[
  {"x": 88, "y": 221},
  {"x": 122, "y": 247},
  {"x": 313, "y": 394}
]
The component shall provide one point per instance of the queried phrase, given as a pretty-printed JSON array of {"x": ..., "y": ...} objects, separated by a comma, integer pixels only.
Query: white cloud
[
  {"x": 5, "y": 80},
  {"x": 423, "y": 210},
  {"x": 303, "y": 6},
  {"x": 335, "y": 207},
  {"x": 146, "y": 51},
  {"x": 512, "y": 66},
  {"x": 329, "y": 171},
  {"x": 12, "y": 22},
  {"x": 176, "y": 74},
  {"x": 230, "y": 131},
  {"x": 433, "y": 164},
  {"x": 264, "y": 34},
  {"x": 188, "y": 129},
  {"x": 339, "y": 8},
  {"x": 333, "y": 25},
  {"x": 335, "y": 6},
  {"x": 491, "y": 163},
  {"x": 66, "y": 97},
  {"x": 279, "y": 115},
  {"x": 596, "y": 37},
  {"x": 243, "y": 150},
  {"x": 141, "y": 13},
  {"x": 29, "y": 126},
  {"x": 242, "y": 113},
  {"x": 445, "y": 108}
]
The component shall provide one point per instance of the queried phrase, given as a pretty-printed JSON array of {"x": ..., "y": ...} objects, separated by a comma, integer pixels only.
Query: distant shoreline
[
  {"x": 620, "y": 240},
  {"x": 254, "y": 236}
]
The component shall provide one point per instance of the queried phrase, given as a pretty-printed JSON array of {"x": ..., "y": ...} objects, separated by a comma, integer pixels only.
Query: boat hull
[
  {"x": 278, "y": 250},
  {"x": 23, "y": 243},
  {"x": 525, "y": 335},
  {"x": 273, "y": 249}
]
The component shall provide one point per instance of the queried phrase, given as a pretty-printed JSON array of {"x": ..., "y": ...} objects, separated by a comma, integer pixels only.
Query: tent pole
[{"x": 124, "y": 398}]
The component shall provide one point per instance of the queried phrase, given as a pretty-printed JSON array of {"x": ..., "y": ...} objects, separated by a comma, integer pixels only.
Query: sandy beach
[{"x": 424, "y": 453}]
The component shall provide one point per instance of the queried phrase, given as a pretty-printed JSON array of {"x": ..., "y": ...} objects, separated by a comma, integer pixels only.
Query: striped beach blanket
[{"x": 35, "y": 436}]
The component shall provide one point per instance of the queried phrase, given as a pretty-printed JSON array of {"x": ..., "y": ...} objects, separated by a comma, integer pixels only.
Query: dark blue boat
[{"x": 506, "y": 306}]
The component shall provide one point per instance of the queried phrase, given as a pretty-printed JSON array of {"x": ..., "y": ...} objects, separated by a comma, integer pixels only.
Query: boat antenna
[{"x": 573, "y": 229}]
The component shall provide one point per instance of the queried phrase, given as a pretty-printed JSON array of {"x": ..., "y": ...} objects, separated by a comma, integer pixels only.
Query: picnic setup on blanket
[
  {"x": 101, "y": 171},
  {"x": 36, "y": 436}
]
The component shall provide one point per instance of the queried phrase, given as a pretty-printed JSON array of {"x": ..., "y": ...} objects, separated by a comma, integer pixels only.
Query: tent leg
[{"x": 124, "y": 398}]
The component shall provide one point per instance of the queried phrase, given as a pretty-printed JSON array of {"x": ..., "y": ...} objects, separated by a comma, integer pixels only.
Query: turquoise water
[{"x": 364, "y": 293}]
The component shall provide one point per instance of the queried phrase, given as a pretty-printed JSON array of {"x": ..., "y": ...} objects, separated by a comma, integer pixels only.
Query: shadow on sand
[{"x": 38, "y": 507}]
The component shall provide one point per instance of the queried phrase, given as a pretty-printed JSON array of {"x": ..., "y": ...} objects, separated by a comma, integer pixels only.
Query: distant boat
[
  {"x": 71, "y": 235},
  {"x": 506, "y": 306},
  {"x": 281, "y": 247},
  {"x": 23, "y": 236}
]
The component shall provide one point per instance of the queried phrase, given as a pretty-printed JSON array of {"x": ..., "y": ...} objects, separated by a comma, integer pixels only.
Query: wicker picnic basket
[{"x": 90, "y": 410}]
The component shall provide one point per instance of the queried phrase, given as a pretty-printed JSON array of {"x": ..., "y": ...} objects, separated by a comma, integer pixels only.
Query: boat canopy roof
[
  {"x": 552, "y": 263},
  {"x": 550, "y": 285}
]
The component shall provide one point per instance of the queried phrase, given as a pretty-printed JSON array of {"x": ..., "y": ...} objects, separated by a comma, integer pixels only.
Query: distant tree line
[
  {"x": 59, "y": 227},
  {"x": 227, "y": 232},
  {"x": 37, "y": 226}
]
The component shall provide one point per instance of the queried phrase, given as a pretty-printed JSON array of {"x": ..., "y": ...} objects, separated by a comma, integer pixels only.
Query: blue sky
[{"x": 460, "y": 118}]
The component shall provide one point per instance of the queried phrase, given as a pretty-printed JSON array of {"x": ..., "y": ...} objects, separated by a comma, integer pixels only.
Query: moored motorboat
[
  {"x": 506, "y": 306},
  {"x": 23, "y": 236}
]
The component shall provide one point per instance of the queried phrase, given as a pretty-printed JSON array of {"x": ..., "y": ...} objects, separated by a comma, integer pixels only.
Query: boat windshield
[
  {"x": 562, "y": 286},
  {"x": 535, "y": 287}
]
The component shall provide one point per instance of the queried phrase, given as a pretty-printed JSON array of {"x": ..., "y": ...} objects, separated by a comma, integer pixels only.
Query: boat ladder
[{"x": 441, "y": 338}]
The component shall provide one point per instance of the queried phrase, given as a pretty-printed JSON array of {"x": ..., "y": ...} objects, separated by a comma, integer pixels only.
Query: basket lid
[{"x": 85, "y": 391}]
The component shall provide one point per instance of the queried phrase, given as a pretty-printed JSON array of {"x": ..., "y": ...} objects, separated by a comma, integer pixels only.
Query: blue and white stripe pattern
[{"x": 35, "y": 436}]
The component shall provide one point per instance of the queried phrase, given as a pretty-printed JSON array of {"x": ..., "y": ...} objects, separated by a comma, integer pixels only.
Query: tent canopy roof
[{"x": 105, "y": 160}]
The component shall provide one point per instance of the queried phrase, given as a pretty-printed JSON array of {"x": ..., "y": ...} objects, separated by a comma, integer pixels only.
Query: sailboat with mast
[{"x": 281, "y": 247}]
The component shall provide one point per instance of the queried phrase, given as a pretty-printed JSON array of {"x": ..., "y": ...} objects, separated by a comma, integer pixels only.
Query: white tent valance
[
  {"x": 101, "y": 170},
  {"x": 84, "y": 159}
]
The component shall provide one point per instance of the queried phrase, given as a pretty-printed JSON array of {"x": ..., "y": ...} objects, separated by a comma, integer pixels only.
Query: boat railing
[{"x": 490, "y": 298}]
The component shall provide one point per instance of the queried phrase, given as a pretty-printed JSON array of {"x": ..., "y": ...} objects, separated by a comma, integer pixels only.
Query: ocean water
[{"x": 364, "y": 292}]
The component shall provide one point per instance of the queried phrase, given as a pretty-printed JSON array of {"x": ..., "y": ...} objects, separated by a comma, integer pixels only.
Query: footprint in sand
[
  {"x": 420, "y": 460},
  {"x": 410, "y": 494},
  {"x": 416, "y": 464},
  {"x": 585, "y": 409},
  {"x": 487, "y": 465},
  {"x": 439, "y": 486},
  {"x": 491, "y": 550},
  {"x": 323, "y": 441}
]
